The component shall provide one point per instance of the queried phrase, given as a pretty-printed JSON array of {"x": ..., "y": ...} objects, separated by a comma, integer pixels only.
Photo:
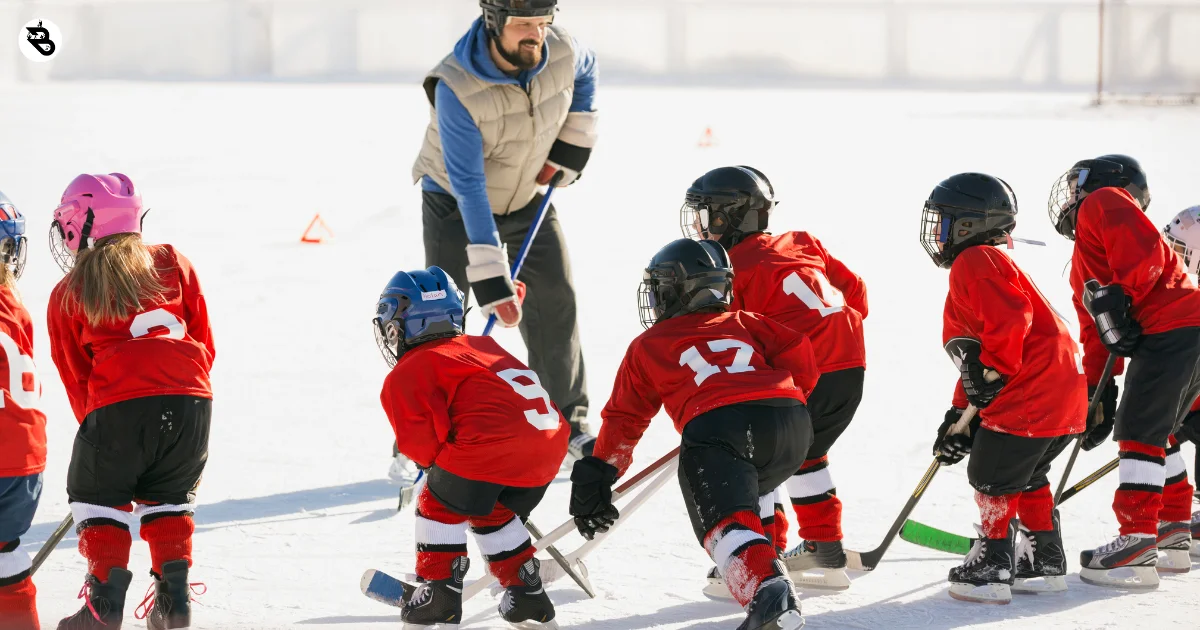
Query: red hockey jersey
[
  {"x": 165, "y": 349},
  {"x": 788, "y": 278},
  {"x": 473, "y": 409},
  {"x": 1023, "y": 339},
  {"x": 22, "y": 423},
  {"x": 1116, "y": 243},
  {"x": 694, "y": 363}
]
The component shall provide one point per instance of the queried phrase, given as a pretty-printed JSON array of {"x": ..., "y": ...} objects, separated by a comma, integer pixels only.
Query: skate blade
[
  {"x": 716, "y": 589},
  {"x": 1174, "y": 561},
  {"x": 439, "y": 626},
  {"x": 1195, "y": 552},
  {"x": 1046, "y": 584},
  {"x": 535, "y": 625},
  {"x": 821, "y": 579},
  {"x": 790, "y": 620},
  {"x": 987, "y": 594},
  {"x": 1140, "y": 577}
]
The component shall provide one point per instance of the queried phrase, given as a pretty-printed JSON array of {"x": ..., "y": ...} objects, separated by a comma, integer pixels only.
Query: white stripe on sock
[
  {"x": 84, "y": 511},
  {"x": 507, "y": 538},
  {"x": 766, "y": 505},
  {"x": 810, "y": 484},
  {"x": 14, "y": 562},
  {"x": 1175, "y": 465},
  {"x": 1142, "y": 473},
  {"x": 142, "y": 511},
  {"x": 429, "y": 532},
  {"x": 723, "y": 552}
]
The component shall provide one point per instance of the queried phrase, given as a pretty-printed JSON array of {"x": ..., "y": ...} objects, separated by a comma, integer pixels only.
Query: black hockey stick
[
  {"x": 1105, "y": 377},
  {"x": 52, "y": 543}
]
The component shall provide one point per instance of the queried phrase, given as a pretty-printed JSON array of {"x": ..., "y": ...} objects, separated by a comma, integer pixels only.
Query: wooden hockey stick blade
[
  {"x": 562, "y": 562},
  {"x": 51, "y": 543},
  {"x": 559, "y": 532}
]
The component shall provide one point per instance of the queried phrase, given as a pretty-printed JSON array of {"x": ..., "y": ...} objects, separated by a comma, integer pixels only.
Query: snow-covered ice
[{"x": 295, "y": 502}]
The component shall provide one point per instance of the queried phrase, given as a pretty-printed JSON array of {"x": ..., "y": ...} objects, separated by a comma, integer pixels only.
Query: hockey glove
[
  {"x": 951, "y": 449},
  {"x": 591, "y": 496},
  {"x": 1101, "y": 426},
  {"x": 496, "y": 293},
  {"x": 1109, "y": 307},
  {"x": 980, "y": 382},
  {"x": 571, "y": 150},
  {"x": 1190, "y": 430}
]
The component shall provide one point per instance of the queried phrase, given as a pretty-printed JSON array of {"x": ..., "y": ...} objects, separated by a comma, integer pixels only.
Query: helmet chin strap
[{"x": 85, "y": 234}]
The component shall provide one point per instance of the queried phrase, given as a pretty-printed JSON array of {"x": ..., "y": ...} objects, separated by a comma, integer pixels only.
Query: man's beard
[{"x": 522, "y": 58}]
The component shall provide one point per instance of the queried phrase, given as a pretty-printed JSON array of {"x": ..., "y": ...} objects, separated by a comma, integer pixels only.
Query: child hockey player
[
  {"x": 22, "y": 431},
  {"x": 734, "y": 383},
  {"x": 130, "y": 336},
  {"x": 480, "y": 423},
  {"x": 1146, "y": 309},
  {"x": 788, "y": 278},
  {"x": 996, "y": 320},
  {"x": 1177, "y": 533}
]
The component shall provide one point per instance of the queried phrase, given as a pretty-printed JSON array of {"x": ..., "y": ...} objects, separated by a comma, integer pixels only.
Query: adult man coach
[{"x": 512, "y": 105}]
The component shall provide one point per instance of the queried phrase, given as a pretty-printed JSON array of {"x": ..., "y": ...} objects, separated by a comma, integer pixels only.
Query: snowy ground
[{"x": 294, "y": 502}]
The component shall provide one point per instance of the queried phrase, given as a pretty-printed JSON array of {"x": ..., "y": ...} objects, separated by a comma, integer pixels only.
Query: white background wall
[{"x": 955, "y": 44}]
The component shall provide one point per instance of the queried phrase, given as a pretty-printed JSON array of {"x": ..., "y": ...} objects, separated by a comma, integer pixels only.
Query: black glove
[
  {"x": 951, "y": 449},
  {"x": 1097, "y": 433},
  {"x": 1190, "y": 430},
  {"x": 964, "y": 352},
  {"x": 1109, "y": 307},
  {"x": 591, "y": 496}
]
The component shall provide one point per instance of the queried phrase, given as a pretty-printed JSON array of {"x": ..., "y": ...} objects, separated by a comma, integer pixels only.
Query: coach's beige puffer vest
[{"x": 518, "y": 127}]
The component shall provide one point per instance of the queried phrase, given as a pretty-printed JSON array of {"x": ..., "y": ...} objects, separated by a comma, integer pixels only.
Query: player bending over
[
  {"x": 22, "y": 431},
  {"x": 1147, "y": 310},
  {"x": 996, "y": 320},
  {"x": 480, "y": 423},
  {"x": 792, "y": 279},
  {"x": 130, "y": 336},
  {"x": 734, "y": 383}
]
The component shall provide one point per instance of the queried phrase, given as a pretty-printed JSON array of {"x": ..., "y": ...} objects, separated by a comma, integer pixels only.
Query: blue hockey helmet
[
  {"x": 12, "y": 237},
  {"x": 415, "y": 307}
]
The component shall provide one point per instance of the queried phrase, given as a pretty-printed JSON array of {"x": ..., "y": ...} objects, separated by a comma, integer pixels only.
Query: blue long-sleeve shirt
[{"x": 462, "y": 144}]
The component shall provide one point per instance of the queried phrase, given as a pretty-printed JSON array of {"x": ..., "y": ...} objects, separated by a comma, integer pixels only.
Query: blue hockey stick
[{"x": 529, "y": 236}]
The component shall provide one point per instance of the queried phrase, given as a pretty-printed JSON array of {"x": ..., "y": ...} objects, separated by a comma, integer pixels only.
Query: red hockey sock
[
  {"x": 504, "y": 542},
  {"x": 1139, "y": 497},
  {"x": 742, "y": 553},
  {"x": 441, "y": 537},
  {"x": 18, "y": 606},
  {"x": 814, "y": 499},
  {"x": 1177, "y": 493},
  {"x": 105, "y": 547},
  {"x": 781, "y": 528},
  {"x": 169, "y": 537},
  {"x": 995, "y": 513},
  {"x": 1036, "y": 509}
]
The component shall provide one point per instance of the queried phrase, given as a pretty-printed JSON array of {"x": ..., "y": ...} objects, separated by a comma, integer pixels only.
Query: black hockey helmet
[
  {"x": 965, "y": 210},
  {"x": 684, "y": 277},
  {"x": 726, "y": 204},
  {"x": 497, "y": 12},
  {"x": 1088, "y": 176}
]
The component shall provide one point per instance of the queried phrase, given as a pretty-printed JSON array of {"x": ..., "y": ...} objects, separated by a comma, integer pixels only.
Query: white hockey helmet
[{"x": 1183, "y": 235}]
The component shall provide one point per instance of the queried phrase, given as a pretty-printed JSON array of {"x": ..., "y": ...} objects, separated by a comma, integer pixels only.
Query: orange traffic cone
[
  {"x": 317, "y": 231},
  {"x": 706, "y": 139}
]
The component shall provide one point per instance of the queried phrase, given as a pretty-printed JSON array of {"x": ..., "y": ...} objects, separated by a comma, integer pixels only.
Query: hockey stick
[
  {"x": 529, "y": 236},
  {"x": 1105, "y": 377},
  {"x": 868, "y": 560},
  {"x": 921, "y": 534},
  {"x": 389, "y": 590},
  {"x": 581, "y": 580},
  {"x": 52, "y": 543}
]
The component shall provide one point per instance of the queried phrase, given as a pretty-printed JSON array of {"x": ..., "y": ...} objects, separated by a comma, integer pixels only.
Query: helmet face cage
[
  {"x": 935, "y": 233},
  {"x": 13, "y": 250},
  {"x": 63, "y": 256},
  {"x": 1065, "y": 197},
  {"x": 656, "y": 294},
  {"x": 389, "y": 327},
  {"x": 710, "y": 216},
  {"x": 1191, "y": 261}
]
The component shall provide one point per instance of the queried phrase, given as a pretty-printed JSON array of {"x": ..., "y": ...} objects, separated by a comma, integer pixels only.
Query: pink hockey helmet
[{"x": 93, "y": 207}]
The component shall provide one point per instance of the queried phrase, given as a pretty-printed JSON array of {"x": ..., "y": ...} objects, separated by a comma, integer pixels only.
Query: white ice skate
[
  {"x": 1174, "y": 543},
  {"x": 405, "y": 473},
  {"x": 1126, "y": 562},
  {"x": 1195, "y": 553}
]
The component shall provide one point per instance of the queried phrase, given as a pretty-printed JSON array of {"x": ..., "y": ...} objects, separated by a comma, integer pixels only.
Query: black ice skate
[
  {"x": 986, "y": 575},
  {"x": 830, "y": 572},
  {"x": 1174, "y": 542},
  {"x": 105, "y": 603},
  {"x": 527, "y": 606},
  {"x": 168, "y": 605},
  {"x": 437, "y": 604},
  {"x": 1126, "y": 562},
  {"x": 1041, "y": 561},
  {"x": 774, "y": 606}
]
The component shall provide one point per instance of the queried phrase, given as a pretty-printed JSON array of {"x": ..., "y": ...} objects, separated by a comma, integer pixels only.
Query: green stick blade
[{"x": 933, "y": 538}]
